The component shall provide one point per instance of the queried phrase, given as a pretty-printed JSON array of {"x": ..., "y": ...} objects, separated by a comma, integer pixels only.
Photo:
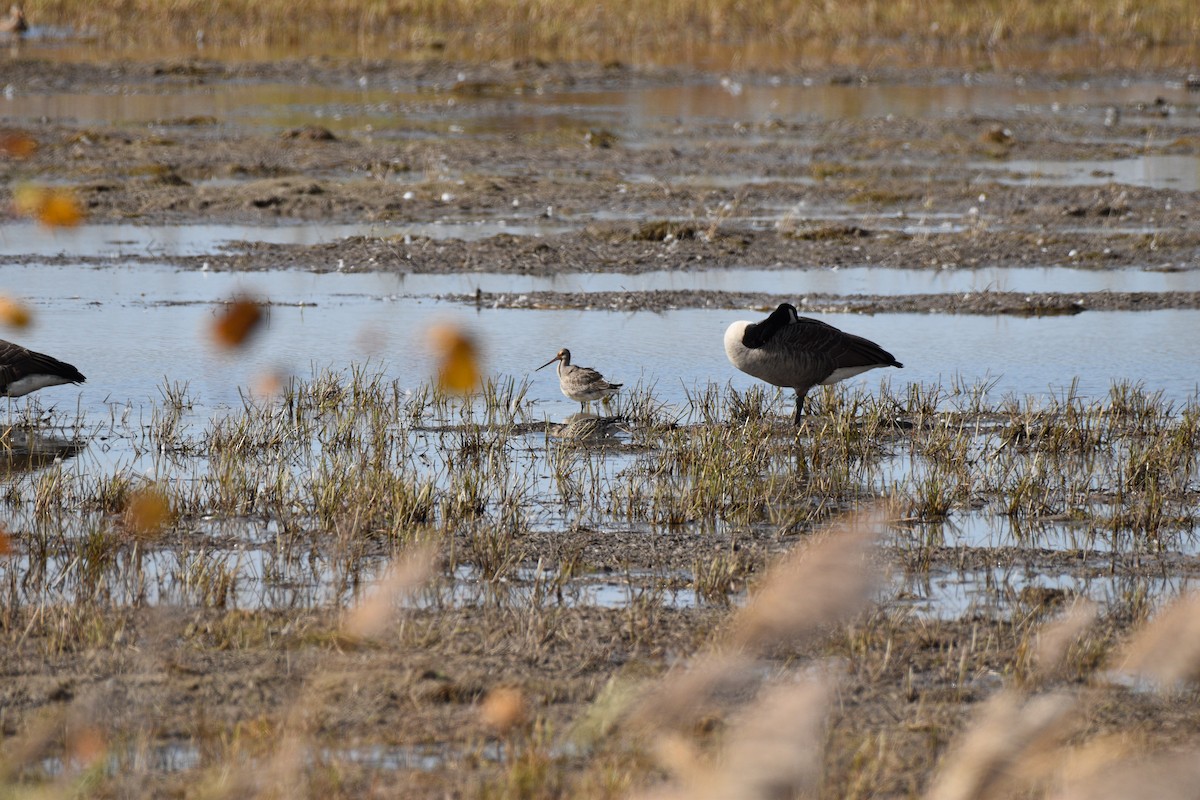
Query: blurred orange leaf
[
  {"x": 237, "y": 321},
  {"x": 52, "y": 206},
  {"x": 6, "y": 548},
  {"x": 86, "y": 746},
  {"x": 405, "y": 574},
  {"x": 458, "y": 358},
  {"x": 16, "y": 144},
  {"x": 27, "y": 199},
  {"x": 503, "y": 708},
  {"x": 61, "y": 210},
  {"x": 14, "y": 313},
  {"x": 147, "y": 511},
  {"x": 268, "y": 384}
]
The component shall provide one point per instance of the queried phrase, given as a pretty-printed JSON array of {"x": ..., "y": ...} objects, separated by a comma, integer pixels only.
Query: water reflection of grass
[
  {"x": 277, "y": 588},
  {"x": 575, "y": 29}
]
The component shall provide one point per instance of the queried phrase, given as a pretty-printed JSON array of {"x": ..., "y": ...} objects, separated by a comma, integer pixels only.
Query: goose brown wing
[
  {"x": 10, "y": 352},
  {"x": 7, "y": 376},
  {"x": 860, "y": 352},
  {"x": 830, "y": 346},
  {"x": 16, "y": 362}
]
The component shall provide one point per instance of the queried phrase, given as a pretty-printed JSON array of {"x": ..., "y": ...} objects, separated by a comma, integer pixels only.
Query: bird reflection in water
[{"x": 24, "y": 450}]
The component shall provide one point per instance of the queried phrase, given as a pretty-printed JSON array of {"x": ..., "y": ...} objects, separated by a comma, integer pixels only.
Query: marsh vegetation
[
  {"x": 668, "y": 30},
  {"x": 237, "y": 553}
]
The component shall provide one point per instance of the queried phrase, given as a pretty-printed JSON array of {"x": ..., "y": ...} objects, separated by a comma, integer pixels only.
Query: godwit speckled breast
[
  {"x": 23, "y": 371},
  {"x": 788, "y": 350},
  {"x": 583, "y": 384}
]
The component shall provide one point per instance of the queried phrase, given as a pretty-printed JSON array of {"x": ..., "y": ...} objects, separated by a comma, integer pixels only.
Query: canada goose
[
  {"x": 786, "y": 349},
  {"x": 23, "y": 371}
]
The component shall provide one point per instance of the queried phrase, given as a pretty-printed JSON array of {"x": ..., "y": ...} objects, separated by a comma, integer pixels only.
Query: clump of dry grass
[
  {"x": 1021, "y": 744},
  {"x": 772, "y": 748},
  {"x": 613, "y": 29}
]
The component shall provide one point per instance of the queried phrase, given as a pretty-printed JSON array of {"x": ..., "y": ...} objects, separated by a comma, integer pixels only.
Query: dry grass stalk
[
  {"x": 1056, "y": 638},
  {"x": 1081, "y": 764},
  {"x": 808, "y": 589},
  {"x": 1015, "y": 746},
  {"x": 773, "y": 747},
  {"x": 1004, "y": 749},
  {"x": 405, "y": 575},
  {"x": 1167, "y": 650},
  {"x": 283, "y": 776},
  {"x": 1167, "y": 777},
  {"x": 678, "y": 700},
  {"x": 812, "y": 587}
]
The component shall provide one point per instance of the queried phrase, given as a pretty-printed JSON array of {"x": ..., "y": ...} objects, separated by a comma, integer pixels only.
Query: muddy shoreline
[
  {"x": 1015, "y": 303},
  {"x": 589, "y": 196}
]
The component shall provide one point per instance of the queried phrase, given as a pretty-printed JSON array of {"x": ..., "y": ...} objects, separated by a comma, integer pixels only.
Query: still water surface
[
  {"x": 129, "y": 329},
  {"x": 408, "y": 109}
]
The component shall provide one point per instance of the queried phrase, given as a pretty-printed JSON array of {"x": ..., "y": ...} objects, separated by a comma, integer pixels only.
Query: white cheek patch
[{"x": 31, "y": 383}]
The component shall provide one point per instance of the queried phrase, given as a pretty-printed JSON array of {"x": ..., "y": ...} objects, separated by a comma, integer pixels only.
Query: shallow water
[
  {"x": 127, "y": 330},
  {"x": 265, "y": 577},
  {"x": 99, "y": 241},
  {"x": 954, "y": 594},
  {"x": 798, "y": 282},
  {"x": 467, "y": 588},
  {"x": 985, "y": 530},
  {"x": 177, "y": 757},
  {"x": 732, "y": 100},
  {"x": 131, "y": 330},
  {"x": 409, "y": 109},
  {"x": 113, "y": 240},
  {"x": 1178, "y": 172}
]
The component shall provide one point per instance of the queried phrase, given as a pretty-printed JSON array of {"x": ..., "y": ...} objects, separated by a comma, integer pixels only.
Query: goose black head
[{"x": 760, "y": 333}]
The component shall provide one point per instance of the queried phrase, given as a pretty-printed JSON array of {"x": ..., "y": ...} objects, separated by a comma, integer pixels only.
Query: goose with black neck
[{"x": 789, "y": 350}]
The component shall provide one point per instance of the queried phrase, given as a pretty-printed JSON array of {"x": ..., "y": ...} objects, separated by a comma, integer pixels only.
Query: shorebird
[
  {"x": 583, "y": 384},
  {"x": 786, "y": 349},
  {"x": 15, "y": 21},
  {"x": 588, "y": 430},
  {"x": 23, "y": 371}
]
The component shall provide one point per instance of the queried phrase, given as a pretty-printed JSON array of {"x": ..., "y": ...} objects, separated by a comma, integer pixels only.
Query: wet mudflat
[{"x": 192, "y": 537}]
